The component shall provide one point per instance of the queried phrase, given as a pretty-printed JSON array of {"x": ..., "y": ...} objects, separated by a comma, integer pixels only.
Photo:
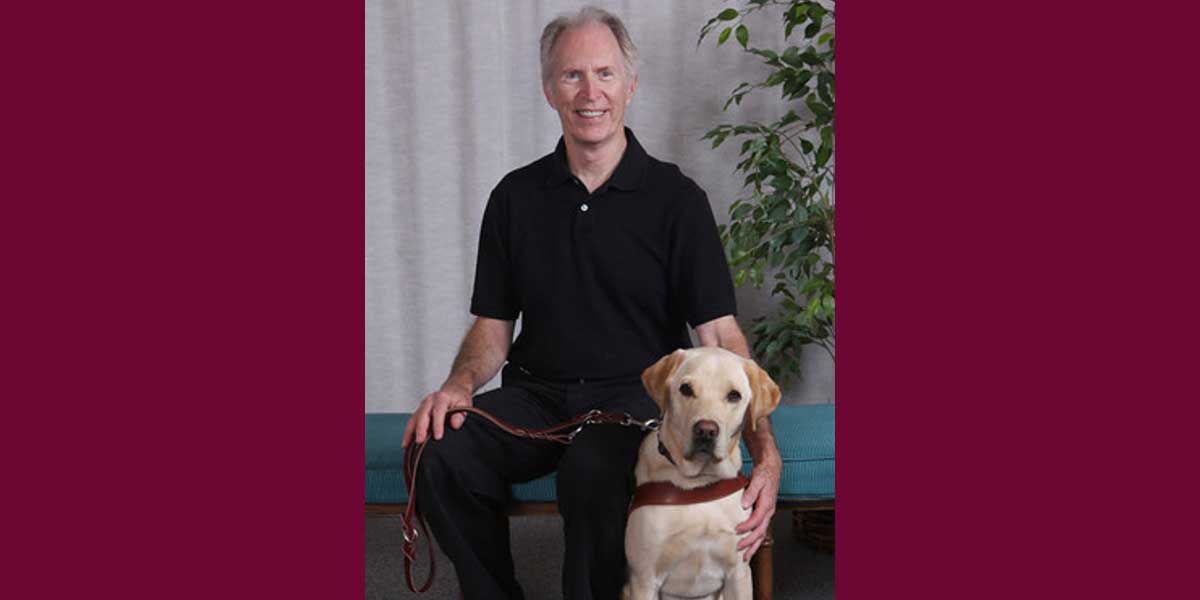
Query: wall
[{"x": 454, "y": 102}]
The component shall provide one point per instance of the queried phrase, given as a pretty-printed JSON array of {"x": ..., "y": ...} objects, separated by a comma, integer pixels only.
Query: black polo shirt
[{"x": 606, "y": 282}]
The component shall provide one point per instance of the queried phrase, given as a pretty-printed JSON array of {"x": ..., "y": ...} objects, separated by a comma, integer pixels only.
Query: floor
[{"x": 799, "y": 572}]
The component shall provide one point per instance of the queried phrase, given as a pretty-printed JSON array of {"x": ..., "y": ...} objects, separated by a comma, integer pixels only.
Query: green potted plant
[{"x": 781, "y": 230}]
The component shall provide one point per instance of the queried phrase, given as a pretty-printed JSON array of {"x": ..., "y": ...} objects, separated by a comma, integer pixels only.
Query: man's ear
[
  {"x": 764, "y": 393},
  {"x": 657, "y": 376},
  {"x": 546, "y": 93},
  {"x": 632, "y": 89}
]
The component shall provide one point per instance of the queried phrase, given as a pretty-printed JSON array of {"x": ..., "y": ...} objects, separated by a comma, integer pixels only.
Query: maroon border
[
  {"x": 184, "y": 281},
  {"x": 184, "y": 300},
  {"x": 1015, "y": 300}
]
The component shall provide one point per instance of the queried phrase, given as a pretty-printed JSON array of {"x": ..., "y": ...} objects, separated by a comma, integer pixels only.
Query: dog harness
[{"x": 665, "y": 492}]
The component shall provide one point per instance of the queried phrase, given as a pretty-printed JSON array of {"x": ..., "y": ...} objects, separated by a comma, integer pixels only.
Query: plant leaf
[
  {"x": 823, "y": 154},
  {"x": 743, "y": 35},
  {"x": 791, "y": 56}
]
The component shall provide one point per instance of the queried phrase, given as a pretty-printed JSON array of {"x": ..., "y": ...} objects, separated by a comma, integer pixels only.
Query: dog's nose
[{"x": 705, "y": 430}]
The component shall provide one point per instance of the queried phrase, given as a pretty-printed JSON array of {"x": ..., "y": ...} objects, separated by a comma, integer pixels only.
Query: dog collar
[
  {"x": 665, "y": 492},
  {"x": 663, "y": 451}
]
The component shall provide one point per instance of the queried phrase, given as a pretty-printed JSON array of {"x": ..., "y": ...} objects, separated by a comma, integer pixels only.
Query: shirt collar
[{"x": 627, "y": 176}]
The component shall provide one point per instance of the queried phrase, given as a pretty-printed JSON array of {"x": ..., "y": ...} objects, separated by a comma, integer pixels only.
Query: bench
[{"x": 804, "y": 433}]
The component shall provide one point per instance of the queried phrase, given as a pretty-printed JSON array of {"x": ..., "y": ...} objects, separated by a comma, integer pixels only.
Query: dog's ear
[
  {"x": 765, "y": 394},
  {"x": 656, "y": 377}
]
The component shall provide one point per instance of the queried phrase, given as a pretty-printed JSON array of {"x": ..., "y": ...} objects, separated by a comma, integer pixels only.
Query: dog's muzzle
[{"x": 704, "y": 439}]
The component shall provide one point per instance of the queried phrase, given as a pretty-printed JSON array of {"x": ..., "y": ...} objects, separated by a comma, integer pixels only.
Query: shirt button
[{"x": 583, "y": 208}]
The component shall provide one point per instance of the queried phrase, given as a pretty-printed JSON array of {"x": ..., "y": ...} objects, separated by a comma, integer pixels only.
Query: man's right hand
[{"x": 433, "y": 410}]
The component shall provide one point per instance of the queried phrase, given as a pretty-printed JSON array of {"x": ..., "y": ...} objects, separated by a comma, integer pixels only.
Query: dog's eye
[
  {"x": 734, "y": 396},
  {"x": 686, "y": 390}
]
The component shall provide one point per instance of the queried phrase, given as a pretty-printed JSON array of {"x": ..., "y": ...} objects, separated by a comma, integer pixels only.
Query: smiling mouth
[{"x": 591, "y": 114}]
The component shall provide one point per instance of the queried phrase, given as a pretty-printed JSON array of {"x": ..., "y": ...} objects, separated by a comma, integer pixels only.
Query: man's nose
[
  {"x": 590, "y": 88},
  {"x": 705, "y": 430}
]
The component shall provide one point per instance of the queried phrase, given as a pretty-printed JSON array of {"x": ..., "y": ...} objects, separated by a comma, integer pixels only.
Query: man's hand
[
  {"x": 479, "y": 358},
  {"x": 433, "y": 409},
  {"x": 764, "y": 484}
]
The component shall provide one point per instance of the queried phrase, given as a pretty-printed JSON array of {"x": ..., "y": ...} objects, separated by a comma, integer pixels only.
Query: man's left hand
[{"x": 764, "y": 484}]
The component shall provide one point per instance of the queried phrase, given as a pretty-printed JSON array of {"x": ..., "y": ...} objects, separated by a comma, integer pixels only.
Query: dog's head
[{"x": 706, "y": 395}]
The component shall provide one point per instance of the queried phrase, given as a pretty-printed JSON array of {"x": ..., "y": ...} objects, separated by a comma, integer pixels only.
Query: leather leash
[{"x": 562, "y": 433}]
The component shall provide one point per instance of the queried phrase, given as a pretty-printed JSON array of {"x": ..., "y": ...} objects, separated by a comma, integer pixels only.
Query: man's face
[{"x": 588, "y": 85}]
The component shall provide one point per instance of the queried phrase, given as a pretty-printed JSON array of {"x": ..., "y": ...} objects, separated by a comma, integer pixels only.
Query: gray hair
[{"x": 586, "y": 16}]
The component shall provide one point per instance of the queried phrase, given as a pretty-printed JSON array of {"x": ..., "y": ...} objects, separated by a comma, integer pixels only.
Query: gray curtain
[{"x": 454, "y": 101}]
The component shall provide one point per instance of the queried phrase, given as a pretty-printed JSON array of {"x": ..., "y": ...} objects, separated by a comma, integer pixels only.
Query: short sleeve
[
  {"x": 700, "y": 277},
  {"x": 494, "y": 295}
]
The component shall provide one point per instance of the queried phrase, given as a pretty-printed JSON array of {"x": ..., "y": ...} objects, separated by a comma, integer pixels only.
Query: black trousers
[{"x": 463, "y": 483}]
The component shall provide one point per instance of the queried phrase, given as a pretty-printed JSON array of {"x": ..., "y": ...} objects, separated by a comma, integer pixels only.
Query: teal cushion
[
  {"x": 804, "y": 434},
  {"x": 385, "y": 458}
]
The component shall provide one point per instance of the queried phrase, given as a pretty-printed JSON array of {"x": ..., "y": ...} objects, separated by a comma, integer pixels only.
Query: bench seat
[{"x": 804, "y": 434}]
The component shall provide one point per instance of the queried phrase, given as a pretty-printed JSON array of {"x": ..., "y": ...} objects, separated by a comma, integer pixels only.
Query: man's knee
[
  {"x": 451, "y": 462},
  {"x": 435, "y": 464}
]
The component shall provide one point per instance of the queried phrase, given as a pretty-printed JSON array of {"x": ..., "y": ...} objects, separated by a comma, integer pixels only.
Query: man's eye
[
  {"x": 572, "y": 75},
  {"x": 606, "y": 74},
  {"x": 686, "y": 390}
]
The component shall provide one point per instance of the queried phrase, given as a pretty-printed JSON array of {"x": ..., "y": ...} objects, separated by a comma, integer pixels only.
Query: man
[{"x": 608, "y": 255}]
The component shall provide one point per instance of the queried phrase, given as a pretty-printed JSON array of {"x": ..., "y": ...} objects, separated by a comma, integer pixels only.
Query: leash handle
[{"x": 562, "y": 433}]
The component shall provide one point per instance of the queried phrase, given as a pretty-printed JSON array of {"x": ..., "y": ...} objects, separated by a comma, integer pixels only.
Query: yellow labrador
[{"x": 690, "y": 551}]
